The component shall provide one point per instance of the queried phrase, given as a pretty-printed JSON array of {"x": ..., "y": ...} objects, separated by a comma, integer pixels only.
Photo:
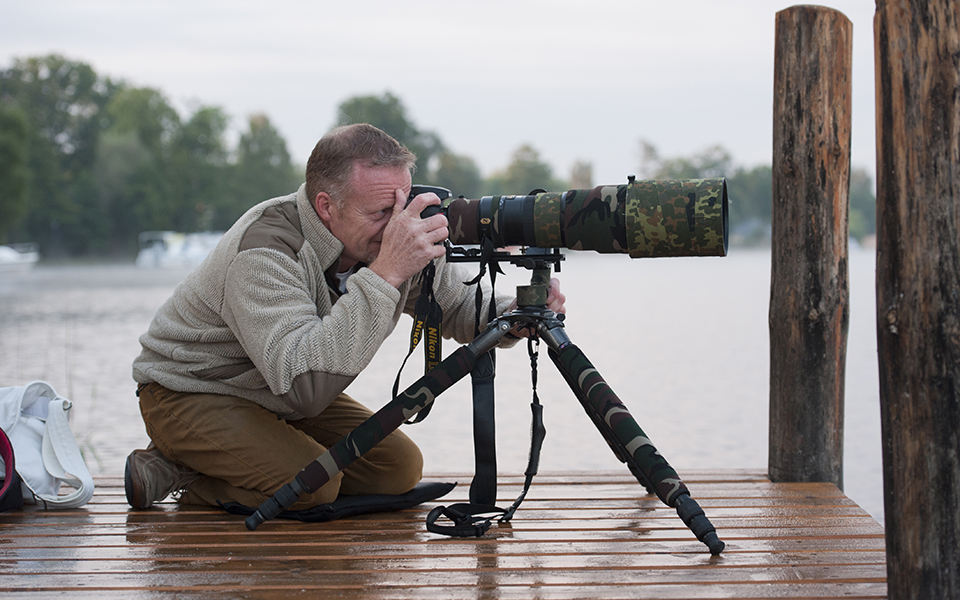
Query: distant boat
[
  {"x": 172, "y": 250},
  {"x": 18, "y": 258}
]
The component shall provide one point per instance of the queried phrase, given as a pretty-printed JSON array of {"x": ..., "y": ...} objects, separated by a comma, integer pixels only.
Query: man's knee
[
  {"x": 409, "y": 466},
  {"x": 325, "y": 495},
  {"x": 393, "y": 467}
]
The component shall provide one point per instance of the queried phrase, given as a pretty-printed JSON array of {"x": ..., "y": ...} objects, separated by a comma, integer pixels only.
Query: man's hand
[
  {"x": 556, "y": 301},
  {"x": 409, "y": 242}
]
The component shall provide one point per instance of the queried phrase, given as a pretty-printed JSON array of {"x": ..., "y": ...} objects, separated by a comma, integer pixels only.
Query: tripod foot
[{"x": 691, "y": 514}]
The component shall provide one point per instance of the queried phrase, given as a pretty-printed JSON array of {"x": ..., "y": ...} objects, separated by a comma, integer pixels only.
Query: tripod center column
[{"x": 536, "y": 293}]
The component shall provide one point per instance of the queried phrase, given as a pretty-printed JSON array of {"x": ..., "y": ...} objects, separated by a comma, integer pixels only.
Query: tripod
[{"x": 618, "y": 427}]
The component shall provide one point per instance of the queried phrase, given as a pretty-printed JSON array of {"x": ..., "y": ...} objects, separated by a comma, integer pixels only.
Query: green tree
[
  {"x": 751, "y": 199},
  {"x": 750, "y": 191},
  {"x": 13, "y": 170},
  {"x": 388, "y": 113},
  {"x": 197, "y": 172},
  {"x": 148, "y": 114},
  {"x": 133, "y": 168},
  {"x": 863, "y": 205},
  {"x": 62, "y": 102},
  {"x": 715, "y": 161},
  {"x": 100, "y": 161},
  {"x": 459, "y": 174},
  {"x": 130, "y": 193},
  {"x": 263, "y": 169},
  {"x": 525, "y": 173}
]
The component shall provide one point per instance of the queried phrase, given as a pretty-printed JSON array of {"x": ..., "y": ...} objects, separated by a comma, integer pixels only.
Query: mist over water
[{"x": 683, "y": 342}]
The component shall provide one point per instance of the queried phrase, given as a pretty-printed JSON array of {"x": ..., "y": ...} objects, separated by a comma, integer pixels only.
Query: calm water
[{"x": 684, "y": 343}]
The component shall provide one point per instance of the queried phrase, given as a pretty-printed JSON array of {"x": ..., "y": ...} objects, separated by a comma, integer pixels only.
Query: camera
[
  {"x": 433, "y": 209},
  {"x": 642, "y": 218}
]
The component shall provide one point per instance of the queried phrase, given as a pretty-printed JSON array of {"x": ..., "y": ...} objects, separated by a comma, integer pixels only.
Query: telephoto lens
[{"x": 642, "y": 218}]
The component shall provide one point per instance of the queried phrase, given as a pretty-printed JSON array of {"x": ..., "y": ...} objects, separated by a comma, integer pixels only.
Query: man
[{"x": 243, "y": 369}]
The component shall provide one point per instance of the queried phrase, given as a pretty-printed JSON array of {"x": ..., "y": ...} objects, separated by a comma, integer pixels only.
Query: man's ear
[{"x": 323, "y": 204}]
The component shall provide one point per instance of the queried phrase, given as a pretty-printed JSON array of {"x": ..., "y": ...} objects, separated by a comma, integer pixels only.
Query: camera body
[{"x": 433, "y": 209}]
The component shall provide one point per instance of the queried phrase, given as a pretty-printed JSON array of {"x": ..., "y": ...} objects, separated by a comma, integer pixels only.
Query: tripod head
[{"x": 540, "y": 261}]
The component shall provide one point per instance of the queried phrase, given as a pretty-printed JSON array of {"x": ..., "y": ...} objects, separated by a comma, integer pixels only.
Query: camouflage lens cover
[
  {"x": 650, "y": 218},
  {"x": 677, "y": 218},
  {"x": 594, "y": 219}
]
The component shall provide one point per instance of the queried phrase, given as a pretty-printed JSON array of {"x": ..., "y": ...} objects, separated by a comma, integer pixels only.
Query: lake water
[{"x": 683, "y": 342}]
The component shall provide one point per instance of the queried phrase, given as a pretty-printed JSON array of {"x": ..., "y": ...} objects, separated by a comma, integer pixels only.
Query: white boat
[
  {"x": 172, "y": 250},
  {"x": 18, "y": 258}
]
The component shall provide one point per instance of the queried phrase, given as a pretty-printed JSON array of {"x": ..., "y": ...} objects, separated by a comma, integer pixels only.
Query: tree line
[
  {"x": 750, "y": 190},
  {"x": 88, "y": 162}
]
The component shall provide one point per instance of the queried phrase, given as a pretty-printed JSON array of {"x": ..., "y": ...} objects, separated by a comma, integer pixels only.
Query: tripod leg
[
  {"x": 629, "y": 441},
  {"x": 367, "y": 435},
  {"x": 618, "y": 449}
]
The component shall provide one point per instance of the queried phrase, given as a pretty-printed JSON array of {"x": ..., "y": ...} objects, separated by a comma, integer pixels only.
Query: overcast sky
[{"x": 578, "y": 80}]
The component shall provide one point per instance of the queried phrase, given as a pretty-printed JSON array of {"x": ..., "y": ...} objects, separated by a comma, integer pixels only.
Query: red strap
[{"x": 11, "y": 495}]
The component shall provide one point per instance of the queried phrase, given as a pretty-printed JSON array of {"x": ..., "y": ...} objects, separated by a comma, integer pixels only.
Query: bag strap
[{"x": 63, "y": 460}]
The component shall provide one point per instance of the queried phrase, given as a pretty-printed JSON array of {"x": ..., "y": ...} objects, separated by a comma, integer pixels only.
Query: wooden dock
[{"x": 576, "y": 536}]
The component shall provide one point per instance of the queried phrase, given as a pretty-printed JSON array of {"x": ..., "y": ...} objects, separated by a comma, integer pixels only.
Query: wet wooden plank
[{"x": 577, "y": 535}]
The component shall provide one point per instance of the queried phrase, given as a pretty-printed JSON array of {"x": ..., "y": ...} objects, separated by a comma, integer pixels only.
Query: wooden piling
[
  {"x": 917, "y": 53},
  {"x": 809, "y": 298}
]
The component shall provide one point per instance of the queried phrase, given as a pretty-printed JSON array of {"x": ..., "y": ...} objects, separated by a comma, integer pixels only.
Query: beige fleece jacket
[{"x": 258, "y": 320}]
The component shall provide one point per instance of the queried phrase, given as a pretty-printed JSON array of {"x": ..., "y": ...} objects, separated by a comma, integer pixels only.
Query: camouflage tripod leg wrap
[
  {"x": 580, "y": 373},
  {"x": 368, "y": 434},
  {"x": 629, "y": 441}
]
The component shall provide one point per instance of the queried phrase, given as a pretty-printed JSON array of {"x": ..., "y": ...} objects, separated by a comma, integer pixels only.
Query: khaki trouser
[{"x": 246, "y": 453}]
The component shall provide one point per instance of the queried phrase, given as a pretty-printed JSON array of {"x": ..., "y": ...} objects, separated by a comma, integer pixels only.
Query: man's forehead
[{"x": 370, "y": 178}]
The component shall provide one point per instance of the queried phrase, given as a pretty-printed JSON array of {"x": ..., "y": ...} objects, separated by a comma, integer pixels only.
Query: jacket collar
[{"x": 324, "y": 243}]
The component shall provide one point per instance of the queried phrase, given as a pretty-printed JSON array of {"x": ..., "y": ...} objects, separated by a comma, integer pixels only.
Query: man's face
[{"x": 367, "y": 209}]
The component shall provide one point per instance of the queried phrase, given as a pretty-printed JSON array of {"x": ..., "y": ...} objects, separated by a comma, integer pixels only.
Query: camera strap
[
  {"x": 473, "y": 519},
  {"x": 483, "y": 488},
  {"x": 427, "y": 322},
  {"x": 537, "y": 430}
]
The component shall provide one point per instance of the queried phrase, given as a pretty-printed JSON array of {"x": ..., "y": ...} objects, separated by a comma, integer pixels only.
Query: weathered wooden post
[
  {"x": 917, "y": 46},
  {"x": 809, "y": 297}
]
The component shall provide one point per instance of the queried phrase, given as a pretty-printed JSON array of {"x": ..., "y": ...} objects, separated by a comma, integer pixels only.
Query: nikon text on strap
[{"x": 427, "y": 321}]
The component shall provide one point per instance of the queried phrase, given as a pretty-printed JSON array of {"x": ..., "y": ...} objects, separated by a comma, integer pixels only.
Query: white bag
[{"x": 34, "y": 417}]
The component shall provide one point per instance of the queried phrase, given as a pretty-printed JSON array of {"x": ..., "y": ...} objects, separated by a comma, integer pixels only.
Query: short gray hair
[{"x": 331, "y": 162}]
